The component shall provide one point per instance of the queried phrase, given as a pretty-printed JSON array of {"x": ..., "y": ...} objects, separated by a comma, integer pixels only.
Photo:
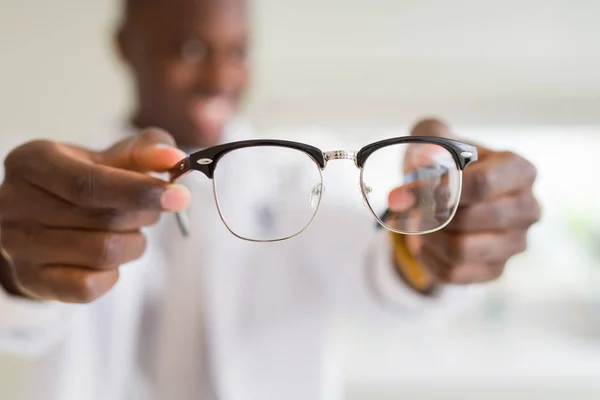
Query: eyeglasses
[{"x": 421, "y": 175}]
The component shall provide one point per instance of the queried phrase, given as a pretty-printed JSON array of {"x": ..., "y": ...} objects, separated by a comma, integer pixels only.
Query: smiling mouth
[{"x": 211, "y": 114}]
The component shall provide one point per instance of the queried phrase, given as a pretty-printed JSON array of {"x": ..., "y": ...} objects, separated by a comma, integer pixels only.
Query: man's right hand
[{"x": 70, "y": 217}]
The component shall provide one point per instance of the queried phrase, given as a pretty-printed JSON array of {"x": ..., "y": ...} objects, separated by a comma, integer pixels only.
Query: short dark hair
[{"x": 132, "y": 8}]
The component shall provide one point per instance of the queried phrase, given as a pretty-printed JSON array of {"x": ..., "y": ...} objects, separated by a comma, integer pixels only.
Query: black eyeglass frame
[{"x": 206, "y": 160}]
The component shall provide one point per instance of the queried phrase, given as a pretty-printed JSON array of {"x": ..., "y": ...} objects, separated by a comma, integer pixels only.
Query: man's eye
[
  {"x": 239, "y": 52},
  {"x": 193, "y": 51},
  {"x": 236, "y": 53}
]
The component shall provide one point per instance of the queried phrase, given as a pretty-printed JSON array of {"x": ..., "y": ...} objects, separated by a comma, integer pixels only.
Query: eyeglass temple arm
[
  {"x": 179, "y": 169},
  {"x": 175, "y": 173}
]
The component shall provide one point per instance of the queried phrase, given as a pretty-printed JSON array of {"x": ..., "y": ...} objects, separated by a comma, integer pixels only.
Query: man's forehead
[{"x": 135, "y": 6}]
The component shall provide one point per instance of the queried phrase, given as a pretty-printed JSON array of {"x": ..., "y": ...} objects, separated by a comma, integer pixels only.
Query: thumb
[
  {"x": 402, "y": 198},
  {"x": 432, "y": 127},
  {"x": 438, "y": 128},
  {"x": 151, "y": 150}
]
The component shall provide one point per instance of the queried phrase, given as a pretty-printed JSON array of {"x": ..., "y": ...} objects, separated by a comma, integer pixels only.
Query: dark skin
[
  {"x": 189, "y": 62},
  {"x": 70, "y": 217},
  {"x": 496, "y": 210}
]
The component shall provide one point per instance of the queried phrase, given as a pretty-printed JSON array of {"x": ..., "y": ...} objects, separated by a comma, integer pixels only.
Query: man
[{"x": 213, "y": 317}]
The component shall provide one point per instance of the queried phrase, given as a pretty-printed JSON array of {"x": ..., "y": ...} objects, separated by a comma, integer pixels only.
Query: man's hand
[
  {"x": 69, "y": 217},
  {"x": 497, "y": 208}
]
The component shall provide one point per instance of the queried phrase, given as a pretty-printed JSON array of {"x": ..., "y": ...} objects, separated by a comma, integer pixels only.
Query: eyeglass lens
[
  {"x": 267, "y": 193},
  {"x": 419, "y": 182}
]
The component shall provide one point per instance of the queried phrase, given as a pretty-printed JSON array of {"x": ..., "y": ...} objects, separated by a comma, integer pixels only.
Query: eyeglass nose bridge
[{"x": 340, "y": 155}]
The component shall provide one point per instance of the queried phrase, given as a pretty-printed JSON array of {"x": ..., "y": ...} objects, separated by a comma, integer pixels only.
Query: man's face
[{"x": 189, "y": 59}]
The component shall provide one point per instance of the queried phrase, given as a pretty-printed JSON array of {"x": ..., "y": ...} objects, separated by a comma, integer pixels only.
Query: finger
[
  {"x": 480, "y": 179},
  {"x": 21, "y": 199},
  {"x": 500, "y": 174},
  {"x": 431, "y": 127},
  {"x": 437, "y": 266},
  {"x": 402, "y": 198},
  {"x": 423, "y": 155},
  {"x": 438, "y": 128},
  {"x": 66, "y": 284},
  {"x": 481, "y": 248},
  {"x": 56, "y": 168},
  {"x": 460, "y": 274},
  {"x": 418, "y": 212},
  {"x": 517, "y": 211},
  {"x": 473, "y": 273},
  {"x": 405, "y": 196},
  {"x": 150, "y": 150},
  {"x": 90, "y": 249},
  {"x": 420, "y": 206}
]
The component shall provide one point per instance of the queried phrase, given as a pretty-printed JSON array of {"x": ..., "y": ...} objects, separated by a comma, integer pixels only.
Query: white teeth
[{"x": 217, "y": 110}]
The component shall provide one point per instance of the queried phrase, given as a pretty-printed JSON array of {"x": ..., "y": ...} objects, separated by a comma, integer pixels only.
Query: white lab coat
[{"x": 212, "y": 316}]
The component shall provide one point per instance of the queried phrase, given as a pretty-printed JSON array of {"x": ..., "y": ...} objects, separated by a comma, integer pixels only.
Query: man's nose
[{"x": 215, "y": 75}]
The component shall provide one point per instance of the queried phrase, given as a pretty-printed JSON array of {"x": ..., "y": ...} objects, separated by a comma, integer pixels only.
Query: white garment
[{"x": 254, "y": 317}]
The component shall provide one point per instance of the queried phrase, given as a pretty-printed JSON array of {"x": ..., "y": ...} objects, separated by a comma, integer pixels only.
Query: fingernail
[
  {"x": 161, "y": 146},
  {"x": 175, "y": 198}
]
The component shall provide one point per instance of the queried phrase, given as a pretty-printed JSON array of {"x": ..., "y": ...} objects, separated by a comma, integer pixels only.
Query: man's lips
[{"x": 211, "y": 114}]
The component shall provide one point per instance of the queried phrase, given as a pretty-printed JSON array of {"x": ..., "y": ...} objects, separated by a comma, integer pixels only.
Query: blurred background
[{"x": 518, "y": 75}]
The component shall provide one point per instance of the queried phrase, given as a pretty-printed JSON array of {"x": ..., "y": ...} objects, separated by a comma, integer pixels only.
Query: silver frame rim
[
  {"x": 452, "y": 215},
  {"x": 216, "y": 197}
]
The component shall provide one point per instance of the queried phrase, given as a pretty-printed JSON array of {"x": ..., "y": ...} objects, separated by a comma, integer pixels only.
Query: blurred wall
[
  {"x": 58, "y": 77},
  {"x": 325, "y": 62},
  {"x": 387, "y": 61}
]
